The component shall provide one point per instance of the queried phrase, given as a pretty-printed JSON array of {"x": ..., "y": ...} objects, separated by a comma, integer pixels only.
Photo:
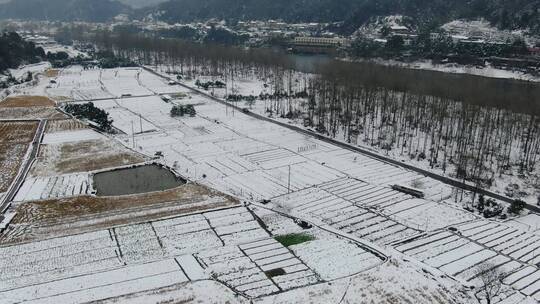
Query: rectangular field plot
[
  {"x": 159, "y": 85},
  {"x": 274, "y": 158},
  {"x": 228, "y": 164},
  {"x": 125, "y": 120},
  {"x": 363, "y": 167},
  {"x": 459, "y": 254},
  {"x": 250, "y": 268},
  {"x": 106, "y": 250},
  {"x": 517, "y": 244},
  {"x": 244, "y": 146},
  {"x": 297, "y": 143},
  {"x": 333, "y": 259},
  {"x": 53, "y": 259},
  {"x": 427, "y": 215},
  {"x": 124, "y": 81},
  {"x": 417, "y": 213},
  {"x": 256, "y": 185},
  {"x": 71, "y": 136},
  {"x": 364, "y": 194},
  {"x": 343, "y": 215},
  {"x": 101, "y": 285},
  {"x": 128, "y": 122},
  {"x": 304, "y": 175},
  {"x": 380, "y": 173},
  {"x": 41, "y": 188},
  {"x": 153, "y": 109},
  {"x": 186, "y": 235},
  {"x": 78, "y": 84}
]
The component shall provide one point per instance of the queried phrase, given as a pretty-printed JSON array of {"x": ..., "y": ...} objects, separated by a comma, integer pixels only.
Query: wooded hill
[
  {"x": 15, "y": 51},
  {"x": 505, "y": 14},
  {"x": 515, "y": 14},
  {"x": 63, "y": 10}
]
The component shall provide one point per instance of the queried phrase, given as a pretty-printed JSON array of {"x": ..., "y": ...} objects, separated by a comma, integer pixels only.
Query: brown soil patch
[
  {"x": 83, "y": 156},
  {"x": 60, "y": 98},
  {"x": 52, "y": 218},
  {"x": 64, "y": 125},
  {"x": 31, "y": 113},
  {"x": 27, "y": 101},
  {"x": 14, "y": 140},
  {"x": 83, "y": 164},
  {"x": 52, "y": 73}
]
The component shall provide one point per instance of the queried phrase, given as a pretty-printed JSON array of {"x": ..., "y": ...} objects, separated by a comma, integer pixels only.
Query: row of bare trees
[{"x": 481, "y": 134}]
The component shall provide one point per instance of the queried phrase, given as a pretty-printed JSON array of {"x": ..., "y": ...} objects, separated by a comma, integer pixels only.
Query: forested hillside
[
  {"x": 62, "y": 10},
  {"x": 14, "y": 51},
  {"x": 515, "y": 14},
  {"x": 505, "y": 14}
]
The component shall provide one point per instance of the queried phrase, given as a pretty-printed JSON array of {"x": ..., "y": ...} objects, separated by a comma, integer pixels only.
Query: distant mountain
[
  {"x": 63, "y": 10},
  {"x": 508, "y": 14}
]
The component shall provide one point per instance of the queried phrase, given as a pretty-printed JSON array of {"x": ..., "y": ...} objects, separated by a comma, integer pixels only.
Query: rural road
[
  {"x": 435, "y": 176},
  {"x": 23, "y": 171}
]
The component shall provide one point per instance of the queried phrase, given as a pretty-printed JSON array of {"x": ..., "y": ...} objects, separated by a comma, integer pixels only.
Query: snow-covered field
[
  {"x": 41, "y": 188},
  {"x": 227, "y": 245},
  {"x": 125, "y": 120},
  {"x": 346, "y": 195},
  {"x": 70, "y": 136},
  {"x": 515, "y": 251},
  {"x": 81, "y": 150},
  {"x": 78, "y": 84}
]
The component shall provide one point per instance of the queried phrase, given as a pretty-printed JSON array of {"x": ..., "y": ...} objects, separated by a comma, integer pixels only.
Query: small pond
[{"x": 135, "y": 180}]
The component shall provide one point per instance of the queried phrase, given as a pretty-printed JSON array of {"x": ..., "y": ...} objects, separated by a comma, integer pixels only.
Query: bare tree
[{"x": 491, "y": 278}]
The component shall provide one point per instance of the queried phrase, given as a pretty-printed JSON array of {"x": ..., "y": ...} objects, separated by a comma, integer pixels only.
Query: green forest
[{"x": 15, "y": 51}]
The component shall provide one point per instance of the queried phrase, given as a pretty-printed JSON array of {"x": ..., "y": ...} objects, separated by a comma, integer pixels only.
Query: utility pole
[
  {"x": 140, "y": 121},
  {"x": 133, "y": 134},
  {"x": 289, "y": 182}
]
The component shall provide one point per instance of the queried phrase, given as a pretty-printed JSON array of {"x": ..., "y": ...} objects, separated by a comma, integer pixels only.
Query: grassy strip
[{"x": 293, "y": 239}]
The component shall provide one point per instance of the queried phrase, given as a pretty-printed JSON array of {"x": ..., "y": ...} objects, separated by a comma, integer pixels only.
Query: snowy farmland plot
[
  {"x": 158, "y": 85},
  {"x": 40, "y": 188},
  {"x": 227, "y": 245},
  {"x": 78, "y": 84},
  {"x": 337, "y": 206},
  {"x": 123, "y": 119},
  {"x": 341, "y": 214},
  {"x": 55, "y": 138},
  {"x": 80, "y": 151},
  {"x": 123, "y": 82},
  {"x": 516, "y": 252}
]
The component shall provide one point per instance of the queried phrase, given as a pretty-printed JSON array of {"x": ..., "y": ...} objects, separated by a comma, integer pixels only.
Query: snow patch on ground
[{"x": 71, "y": 136}]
